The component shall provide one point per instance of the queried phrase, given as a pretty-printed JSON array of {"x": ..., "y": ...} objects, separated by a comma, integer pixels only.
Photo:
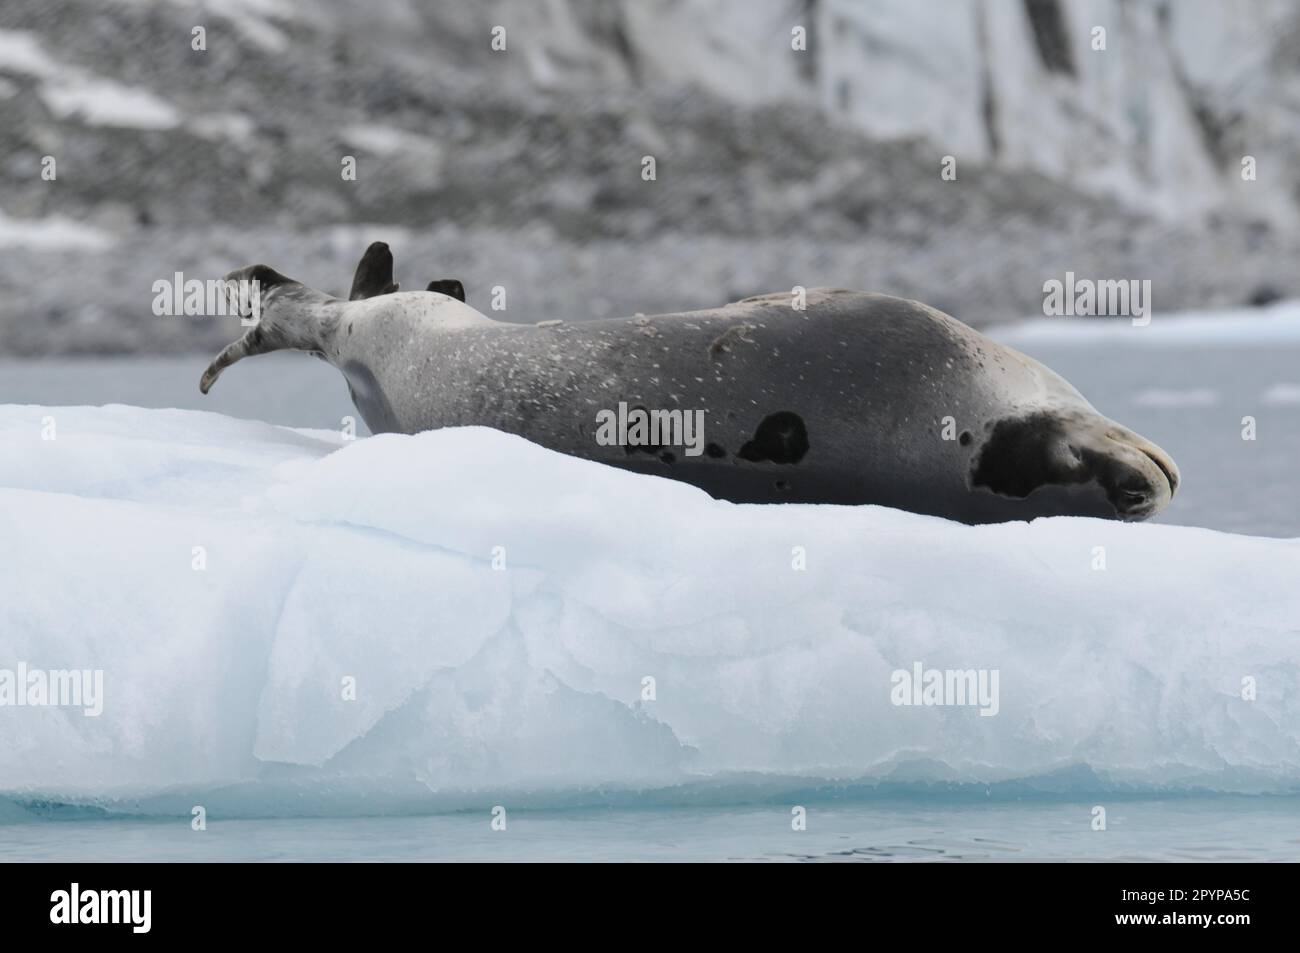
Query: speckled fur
[{"x": 867, "y": 378}]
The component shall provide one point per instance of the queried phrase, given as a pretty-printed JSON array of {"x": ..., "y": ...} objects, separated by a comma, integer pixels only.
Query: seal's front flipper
[
  {"x": 449, "y": 287},
  {"x": 374, "y": 275}
]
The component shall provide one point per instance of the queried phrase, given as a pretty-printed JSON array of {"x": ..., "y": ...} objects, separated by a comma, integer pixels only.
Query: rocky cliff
[{"x": 1115, "y": 153}]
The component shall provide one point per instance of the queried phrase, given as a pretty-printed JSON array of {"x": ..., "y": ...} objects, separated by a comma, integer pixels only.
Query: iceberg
[{"x": 291, "y": 623}]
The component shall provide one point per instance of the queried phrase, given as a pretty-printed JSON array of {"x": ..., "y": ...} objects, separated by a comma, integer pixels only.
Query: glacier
[{"x": 292, "y": 623}]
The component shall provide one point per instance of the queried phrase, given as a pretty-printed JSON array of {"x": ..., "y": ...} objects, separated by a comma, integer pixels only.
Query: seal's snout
[
  {"x": 1166, "y": 465},
  {"x": 1141, "y": 478}
]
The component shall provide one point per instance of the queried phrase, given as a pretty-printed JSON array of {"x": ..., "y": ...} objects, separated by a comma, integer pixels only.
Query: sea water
[{"x": 1212, "y": 828}]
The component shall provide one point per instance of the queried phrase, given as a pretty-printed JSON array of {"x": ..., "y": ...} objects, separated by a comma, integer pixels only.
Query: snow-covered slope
[{"x": 500, "y": 608}]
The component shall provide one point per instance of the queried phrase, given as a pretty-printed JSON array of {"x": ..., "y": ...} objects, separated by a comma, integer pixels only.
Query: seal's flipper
[
  {"x": 374, "y": 275},
  {"x": 449, "y": 287}
]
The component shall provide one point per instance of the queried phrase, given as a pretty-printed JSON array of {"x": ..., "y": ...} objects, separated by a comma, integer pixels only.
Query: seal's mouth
[
  {"x": 1141, "y": 479},
  {"x": 1167, "y": 467}
]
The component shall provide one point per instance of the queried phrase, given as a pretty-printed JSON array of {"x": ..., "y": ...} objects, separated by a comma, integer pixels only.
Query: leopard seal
[{"x": 856, "y": 398}]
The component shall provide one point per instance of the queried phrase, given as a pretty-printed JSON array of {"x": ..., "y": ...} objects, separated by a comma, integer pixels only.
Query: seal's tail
[{"x": 251, "y": 293}]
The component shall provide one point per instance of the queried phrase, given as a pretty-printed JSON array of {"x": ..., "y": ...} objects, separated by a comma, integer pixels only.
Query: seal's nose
[
  {"x": 1143, "y": 479},
  {"x": 1166, "y": 464}
]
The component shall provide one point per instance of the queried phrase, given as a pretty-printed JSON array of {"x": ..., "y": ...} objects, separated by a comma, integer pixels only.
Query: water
[
  {"x": 1185, "y": 829},
  {"x": 1189, "y": 399},
  {"x": 285, "y": 388}
]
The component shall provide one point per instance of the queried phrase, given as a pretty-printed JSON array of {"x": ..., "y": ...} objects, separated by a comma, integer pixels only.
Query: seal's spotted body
[{"x": 843, "y": 402}]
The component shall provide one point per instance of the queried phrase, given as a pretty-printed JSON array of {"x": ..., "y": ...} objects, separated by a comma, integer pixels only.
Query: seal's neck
[
  {"x": 300, "y": 318},
  {"x": 291, "y": 316}
]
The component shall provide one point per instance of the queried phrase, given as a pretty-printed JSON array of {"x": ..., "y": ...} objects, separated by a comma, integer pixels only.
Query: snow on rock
[
  {"x": 1277, "y": 323},
  {"x": 71, "y": 92},
  {"x": 387, "y": 140},
  {"x": 51, "y": 233},
  {"x": 499, "y": 607},
  {"x": 1154, "y": 104},
  {"x": 102, "y": 102},
  {"x": 21, "y": 52}
]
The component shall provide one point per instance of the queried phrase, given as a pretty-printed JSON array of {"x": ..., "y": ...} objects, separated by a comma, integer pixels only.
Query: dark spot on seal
[
  {"x": 668, "y": 457},
  {"x": 715, "y": 451},
  {"x": 1014, "y": 462},
  {"x": 650, "y": 448},
  {"x": 349, "y": 329},
  {"x": 964, "y": 438},
  {"x": 782, "y": 485},
  {"x": 780, "y": 438}
]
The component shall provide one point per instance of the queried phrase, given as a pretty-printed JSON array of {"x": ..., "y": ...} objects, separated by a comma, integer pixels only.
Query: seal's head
[
  {"x": 1076, "y": 448},
  {"x": 277, "y": 310}
]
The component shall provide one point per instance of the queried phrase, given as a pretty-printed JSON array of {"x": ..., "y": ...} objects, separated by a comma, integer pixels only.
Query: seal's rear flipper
[
  {"x": 449, "y": 287},
  {"x": 374, "y": 275}
]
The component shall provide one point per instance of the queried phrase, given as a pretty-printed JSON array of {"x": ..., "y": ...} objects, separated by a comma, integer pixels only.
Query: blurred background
[
  {"x": 523, "y": 168},
  {"x": 775, "y": 167}
]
